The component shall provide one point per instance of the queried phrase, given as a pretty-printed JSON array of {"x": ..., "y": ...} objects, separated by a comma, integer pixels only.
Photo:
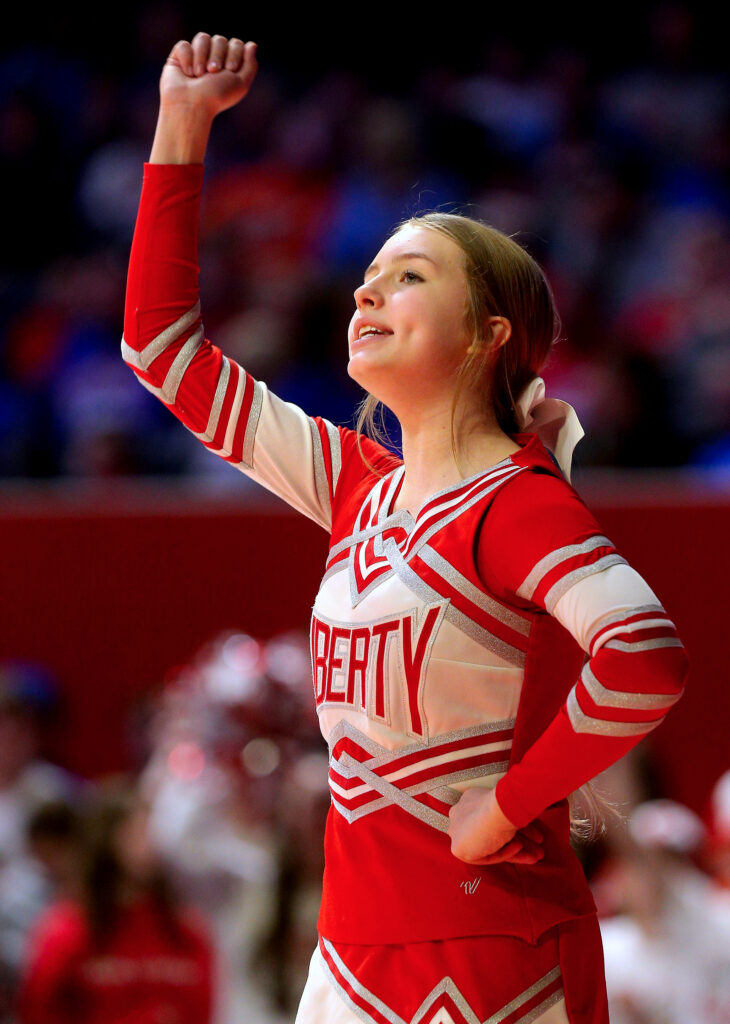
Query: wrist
[
  {"x": 500, "y": 812},
  {"x": 182, "y": 132}
]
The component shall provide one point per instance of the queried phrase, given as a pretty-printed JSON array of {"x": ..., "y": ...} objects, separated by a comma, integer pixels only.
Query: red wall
[{"x": 113, "y": 587}]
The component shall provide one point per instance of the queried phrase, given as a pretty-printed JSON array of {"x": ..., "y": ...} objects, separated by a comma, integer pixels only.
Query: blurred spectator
[
  {"x": 716, "y": 850},
  {"x": 26, "y": 783},
  {"x": 237, "y": 785},
  {"x": 667, "y": 953},
  {"x": 123, "y": 951},
  {"x": 54, "y": 836}
]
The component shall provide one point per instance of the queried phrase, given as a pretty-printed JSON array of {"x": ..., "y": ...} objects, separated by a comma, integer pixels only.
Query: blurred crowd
[
  {"x": 611, "y": 167},
  {"x": 187, "y": 892}
]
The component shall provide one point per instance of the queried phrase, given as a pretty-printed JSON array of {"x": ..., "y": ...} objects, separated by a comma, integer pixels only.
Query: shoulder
[
  {"x": 356, "y": 448},
  {"x": 534, "y": 505},
  {"x": 536, "y": 522},
  {"x": 62, "y": 925},
  {"x": 362, "y": 461}
]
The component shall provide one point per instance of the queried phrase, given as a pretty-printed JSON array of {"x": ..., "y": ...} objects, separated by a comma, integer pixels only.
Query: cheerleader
[{"x": 480, "y": 649}]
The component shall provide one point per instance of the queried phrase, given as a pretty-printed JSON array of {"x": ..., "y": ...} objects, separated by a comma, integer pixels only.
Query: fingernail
[{"x": 214, "y": 65}]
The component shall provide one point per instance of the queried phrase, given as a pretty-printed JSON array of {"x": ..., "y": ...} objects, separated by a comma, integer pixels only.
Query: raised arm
[{"x": 296, "y": 456}]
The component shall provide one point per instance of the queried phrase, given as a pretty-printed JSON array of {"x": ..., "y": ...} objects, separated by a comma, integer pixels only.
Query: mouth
[{"x": 367, "y": 336}]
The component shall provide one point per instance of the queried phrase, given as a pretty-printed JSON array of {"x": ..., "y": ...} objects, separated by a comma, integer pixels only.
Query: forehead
[{"x": 415, "y": 238}]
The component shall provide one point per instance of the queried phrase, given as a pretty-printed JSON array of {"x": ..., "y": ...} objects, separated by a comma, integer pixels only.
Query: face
[
  {"x": 415, "y": 296},
  {"x": 135, "y": 847}
]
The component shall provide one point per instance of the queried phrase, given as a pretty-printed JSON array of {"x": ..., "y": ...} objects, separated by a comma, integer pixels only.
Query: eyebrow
[{"x": 404, "y": 256}]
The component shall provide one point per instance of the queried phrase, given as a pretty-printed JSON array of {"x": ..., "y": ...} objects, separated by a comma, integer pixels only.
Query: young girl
[
  {"x": 463, "y": 588},
  {"x": 116, "y": 947}
]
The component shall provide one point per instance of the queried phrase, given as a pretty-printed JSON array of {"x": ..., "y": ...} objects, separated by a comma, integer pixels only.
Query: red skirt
[{"x": 497, "y": 979}]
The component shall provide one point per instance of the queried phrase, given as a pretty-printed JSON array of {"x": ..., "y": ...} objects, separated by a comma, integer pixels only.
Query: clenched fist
[
  {"x": 481, "y": 834},
  {"x": 209, "y": 73}
]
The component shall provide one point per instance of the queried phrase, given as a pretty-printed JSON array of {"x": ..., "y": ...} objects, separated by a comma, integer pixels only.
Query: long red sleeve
[
  {"x": 541, "y": 545},
  {"x": 236, "y": 417}
]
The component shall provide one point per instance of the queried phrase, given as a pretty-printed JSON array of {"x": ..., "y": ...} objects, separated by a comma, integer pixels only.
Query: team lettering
[{"x": 350, "y": 664}]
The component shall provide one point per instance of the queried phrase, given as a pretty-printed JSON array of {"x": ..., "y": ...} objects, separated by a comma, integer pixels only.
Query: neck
[{"x": 428, "y": 456}]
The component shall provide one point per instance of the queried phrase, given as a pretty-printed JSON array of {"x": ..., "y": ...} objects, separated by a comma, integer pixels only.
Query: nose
[{"x": 367, "y": 296}]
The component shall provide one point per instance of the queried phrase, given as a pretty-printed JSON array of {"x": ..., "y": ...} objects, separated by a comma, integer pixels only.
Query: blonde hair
[{"x": 502, "y": 279}]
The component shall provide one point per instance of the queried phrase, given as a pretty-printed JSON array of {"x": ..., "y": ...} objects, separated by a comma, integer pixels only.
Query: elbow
[{"x": 681, "y": 674}]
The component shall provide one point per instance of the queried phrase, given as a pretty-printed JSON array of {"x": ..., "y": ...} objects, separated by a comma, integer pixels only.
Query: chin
[{"x": 368, "y": 381}]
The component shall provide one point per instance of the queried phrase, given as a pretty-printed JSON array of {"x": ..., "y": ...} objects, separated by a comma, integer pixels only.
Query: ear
[{"x": 499, "y": 332}]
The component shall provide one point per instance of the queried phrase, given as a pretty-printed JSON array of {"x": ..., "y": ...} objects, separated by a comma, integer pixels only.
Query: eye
[{"x": 412, "y": 275}]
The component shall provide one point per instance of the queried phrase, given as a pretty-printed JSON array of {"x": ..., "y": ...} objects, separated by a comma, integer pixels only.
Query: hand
[
  {"x": 209, "y": 73},
  {"x": 481, "y": 834}
]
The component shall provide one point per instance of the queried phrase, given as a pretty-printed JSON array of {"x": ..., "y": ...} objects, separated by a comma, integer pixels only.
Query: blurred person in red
[{"x": 124, "y": 951}]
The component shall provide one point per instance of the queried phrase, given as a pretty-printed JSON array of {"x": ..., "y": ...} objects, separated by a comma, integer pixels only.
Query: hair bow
[{"x": 554, "y": 421}]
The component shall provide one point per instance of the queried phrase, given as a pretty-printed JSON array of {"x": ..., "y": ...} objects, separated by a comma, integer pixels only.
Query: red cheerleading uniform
[
  {"x": 497, "y": 639},
  {"x": 139, "y": 975}
]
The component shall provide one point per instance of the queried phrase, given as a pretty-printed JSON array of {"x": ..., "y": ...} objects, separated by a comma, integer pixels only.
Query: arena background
[{"x": 602, "y": 137}]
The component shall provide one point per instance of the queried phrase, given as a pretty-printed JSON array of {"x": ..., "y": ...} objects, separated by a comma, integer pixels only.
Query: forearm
[
  {"x": 620, "y": 697},
  {"x": 182, "y": 133},
  {"x": 163, "y": 337}
]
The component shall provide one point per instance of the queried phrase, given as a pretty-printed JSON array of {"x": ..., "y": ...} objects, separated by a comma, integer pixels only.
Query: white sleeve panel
[
  {"x": 289, "y": 457},
  {"x": 272, "y": 441},
  {"x": 593, "y": 602}
]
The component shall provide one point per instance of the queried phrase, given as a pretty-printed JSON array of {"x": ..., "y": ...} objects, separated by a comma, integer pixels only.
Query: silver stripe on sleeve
[
  {"x": 570, "y": 579},
  {"x": 144, "y": 359},
  {"x": 157, "y": 392},
  {"x": 335, "y": 451},
  {"x": 220, "y": 394},
  {"x": 528, "y": 586},
  {"x": 627, "y": 613},
  {"x": 253, "y": 421},
  {"x": 582, "y": 722},
  {"x": 645, "y": 645},
  {"x": 168, "y": 392},
  {"x": 607, "y": 697},
  {"x": 520, "y": 623},
  {"x": 182, "y": 360},
  {"x": 320, "y": 473},
  {"x": 233, "y": 414}
]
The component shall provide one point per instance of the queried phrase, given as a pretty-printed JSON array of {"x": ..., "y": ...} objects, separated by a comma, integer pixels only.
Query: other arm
[{"x": 551, "y": 551}]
